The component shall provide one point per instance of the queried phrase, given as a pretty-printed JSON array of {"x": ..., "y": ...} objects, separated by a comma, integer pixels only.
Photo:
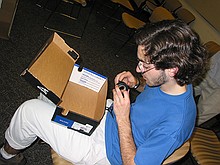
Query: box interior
[
  {"x": 53, "y": 67},
  {"x": 84, "y": 101}
]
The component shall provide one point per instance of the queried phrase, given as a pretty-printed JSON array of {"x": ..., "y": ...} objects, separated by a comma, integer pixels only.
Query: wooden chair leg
[{"x": 58, "y": 160}]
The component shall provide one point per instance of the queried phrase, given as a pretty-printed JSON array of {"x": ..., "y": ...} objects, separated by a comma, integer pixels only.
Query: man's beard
[{"x": 161, "y": 79}]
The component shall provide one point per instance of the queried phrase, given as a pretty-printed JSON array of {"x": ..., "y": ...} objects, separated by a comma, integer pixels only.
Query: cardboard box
[{"x": 79, "y": 107}]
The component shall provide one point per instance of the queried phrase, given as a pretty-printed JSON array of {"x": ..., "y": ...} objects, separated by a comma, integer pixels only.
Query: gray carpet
[{"x": 28, "y": 35}]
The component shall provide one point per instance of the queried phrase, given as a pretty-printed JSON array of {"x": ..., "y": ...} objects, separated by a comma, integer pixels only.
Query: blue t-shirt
[{"x": 160, "y": 124}]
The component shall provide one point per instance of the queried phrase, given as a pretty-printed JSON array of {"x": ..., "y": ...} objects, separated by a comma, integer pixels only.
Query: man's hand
[
  {"x": 121, "y": 103},
  {"x": 122, "y": 113},
  {"x": 126, "y": 77}
]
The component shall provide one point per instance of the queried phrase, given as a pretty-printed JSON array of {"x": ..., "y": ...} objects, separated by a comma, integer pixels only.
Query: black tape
[
  {"x": 39, "y": 86},
  {"x": 73, "y": 54}
]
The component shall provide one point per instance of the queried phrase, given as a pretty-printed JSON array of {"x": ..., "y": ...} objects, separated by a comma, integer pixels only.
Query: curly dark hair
[{"x": 172, "y": 43}]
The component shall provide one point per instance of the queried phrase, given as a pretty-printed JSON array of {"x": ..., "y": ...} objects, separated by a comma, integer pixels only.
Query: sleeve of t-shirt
[{"x": 156, "y": 148}]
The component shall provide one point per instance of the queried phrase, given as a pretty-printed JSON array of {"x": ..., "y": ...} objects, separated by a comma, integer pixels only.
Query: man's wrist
[{"x": 137, "y": 84}]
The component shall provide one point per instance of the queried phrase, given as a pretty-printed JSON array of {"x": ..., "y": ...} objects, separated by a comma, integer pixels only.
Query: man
[
  {"x": 209, "y": 92},
  {"x": 162, "y": 118}
]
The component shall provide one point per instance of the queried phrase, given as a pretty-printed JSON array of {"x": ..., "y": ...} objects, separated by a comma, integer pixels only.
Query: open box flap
[
  {"x": 53, "y": 65},
  {"x": 84, "y": 101}
]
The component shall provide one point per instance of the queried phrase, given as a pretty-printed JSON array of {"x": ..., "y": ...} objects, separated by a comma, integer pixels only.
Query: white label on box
[
  {"x": 78, "y": 126},
  {"x": 87, "y": 78}
]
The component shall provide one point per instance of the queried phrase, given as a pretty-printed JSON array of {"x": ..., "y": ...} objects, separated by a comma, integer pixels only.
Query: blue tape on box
[
  {"x": 64, "y": 121},
  {"x": 75, "y": 121}
]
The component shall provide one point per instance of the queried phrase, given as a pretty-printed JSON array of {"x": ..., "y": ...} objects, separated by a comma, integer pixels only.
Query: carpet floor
[{"x": 97, "y": 47}]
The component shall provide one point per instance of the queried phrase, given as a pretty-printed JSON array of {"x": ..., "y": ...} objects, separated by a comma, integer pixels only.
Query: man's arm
[
  {"x": 128, "y": 148},
  {"x": 122, "y": 112}
]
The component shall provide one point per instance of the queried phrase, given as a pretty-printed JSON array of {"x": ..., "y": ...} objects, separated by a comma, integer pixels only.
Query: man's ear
[{"x": 172, "y": 71}]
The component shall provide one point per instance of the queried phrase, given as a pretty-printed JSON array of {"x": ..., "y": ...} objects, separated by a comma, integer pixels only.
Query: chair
[
  {"x": 124, "y": 3},
  {"x": 171, "y": 5},
  {"x": 52, "y": 19},
  {"x": 175, "y": 157},
  {"x": 212, "y": 47},
  {"x": 150, "y": 6},
  {"x": 213, "y": 124},
  {"x": 58, "y": 160},
  {"x": 178, "y": 154},
  {"x": 159, "y": 14},
  {"x": 134, "y": 6},
  {"x": 52, "y": 6},
  {"x": 132, "y": 22},
  {"x": 205, "y": 147},
  {"x": 185, "y": 15}
]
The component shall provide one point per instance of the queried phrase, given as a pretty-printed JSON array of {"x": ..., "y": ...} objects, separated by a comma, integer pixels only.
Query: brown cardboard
[{"x": 50, "y": 71}]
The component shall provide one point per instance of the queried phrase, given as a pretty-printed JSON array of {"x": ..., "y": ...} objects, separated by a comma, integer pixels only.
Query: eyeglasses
[{"x": 144, "y": 66}]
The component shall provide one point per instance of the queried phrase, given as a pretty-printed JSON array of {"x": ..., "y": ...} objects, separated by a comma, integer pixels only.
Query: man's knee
[
  {"x": 35, "y": 107},
  {"x": 29, "y": 105}
]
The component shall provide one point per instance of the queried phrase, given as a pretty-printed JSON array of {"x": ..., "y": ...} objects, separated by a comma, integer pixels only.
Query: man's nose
[{"x": 138, "y": 69}]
